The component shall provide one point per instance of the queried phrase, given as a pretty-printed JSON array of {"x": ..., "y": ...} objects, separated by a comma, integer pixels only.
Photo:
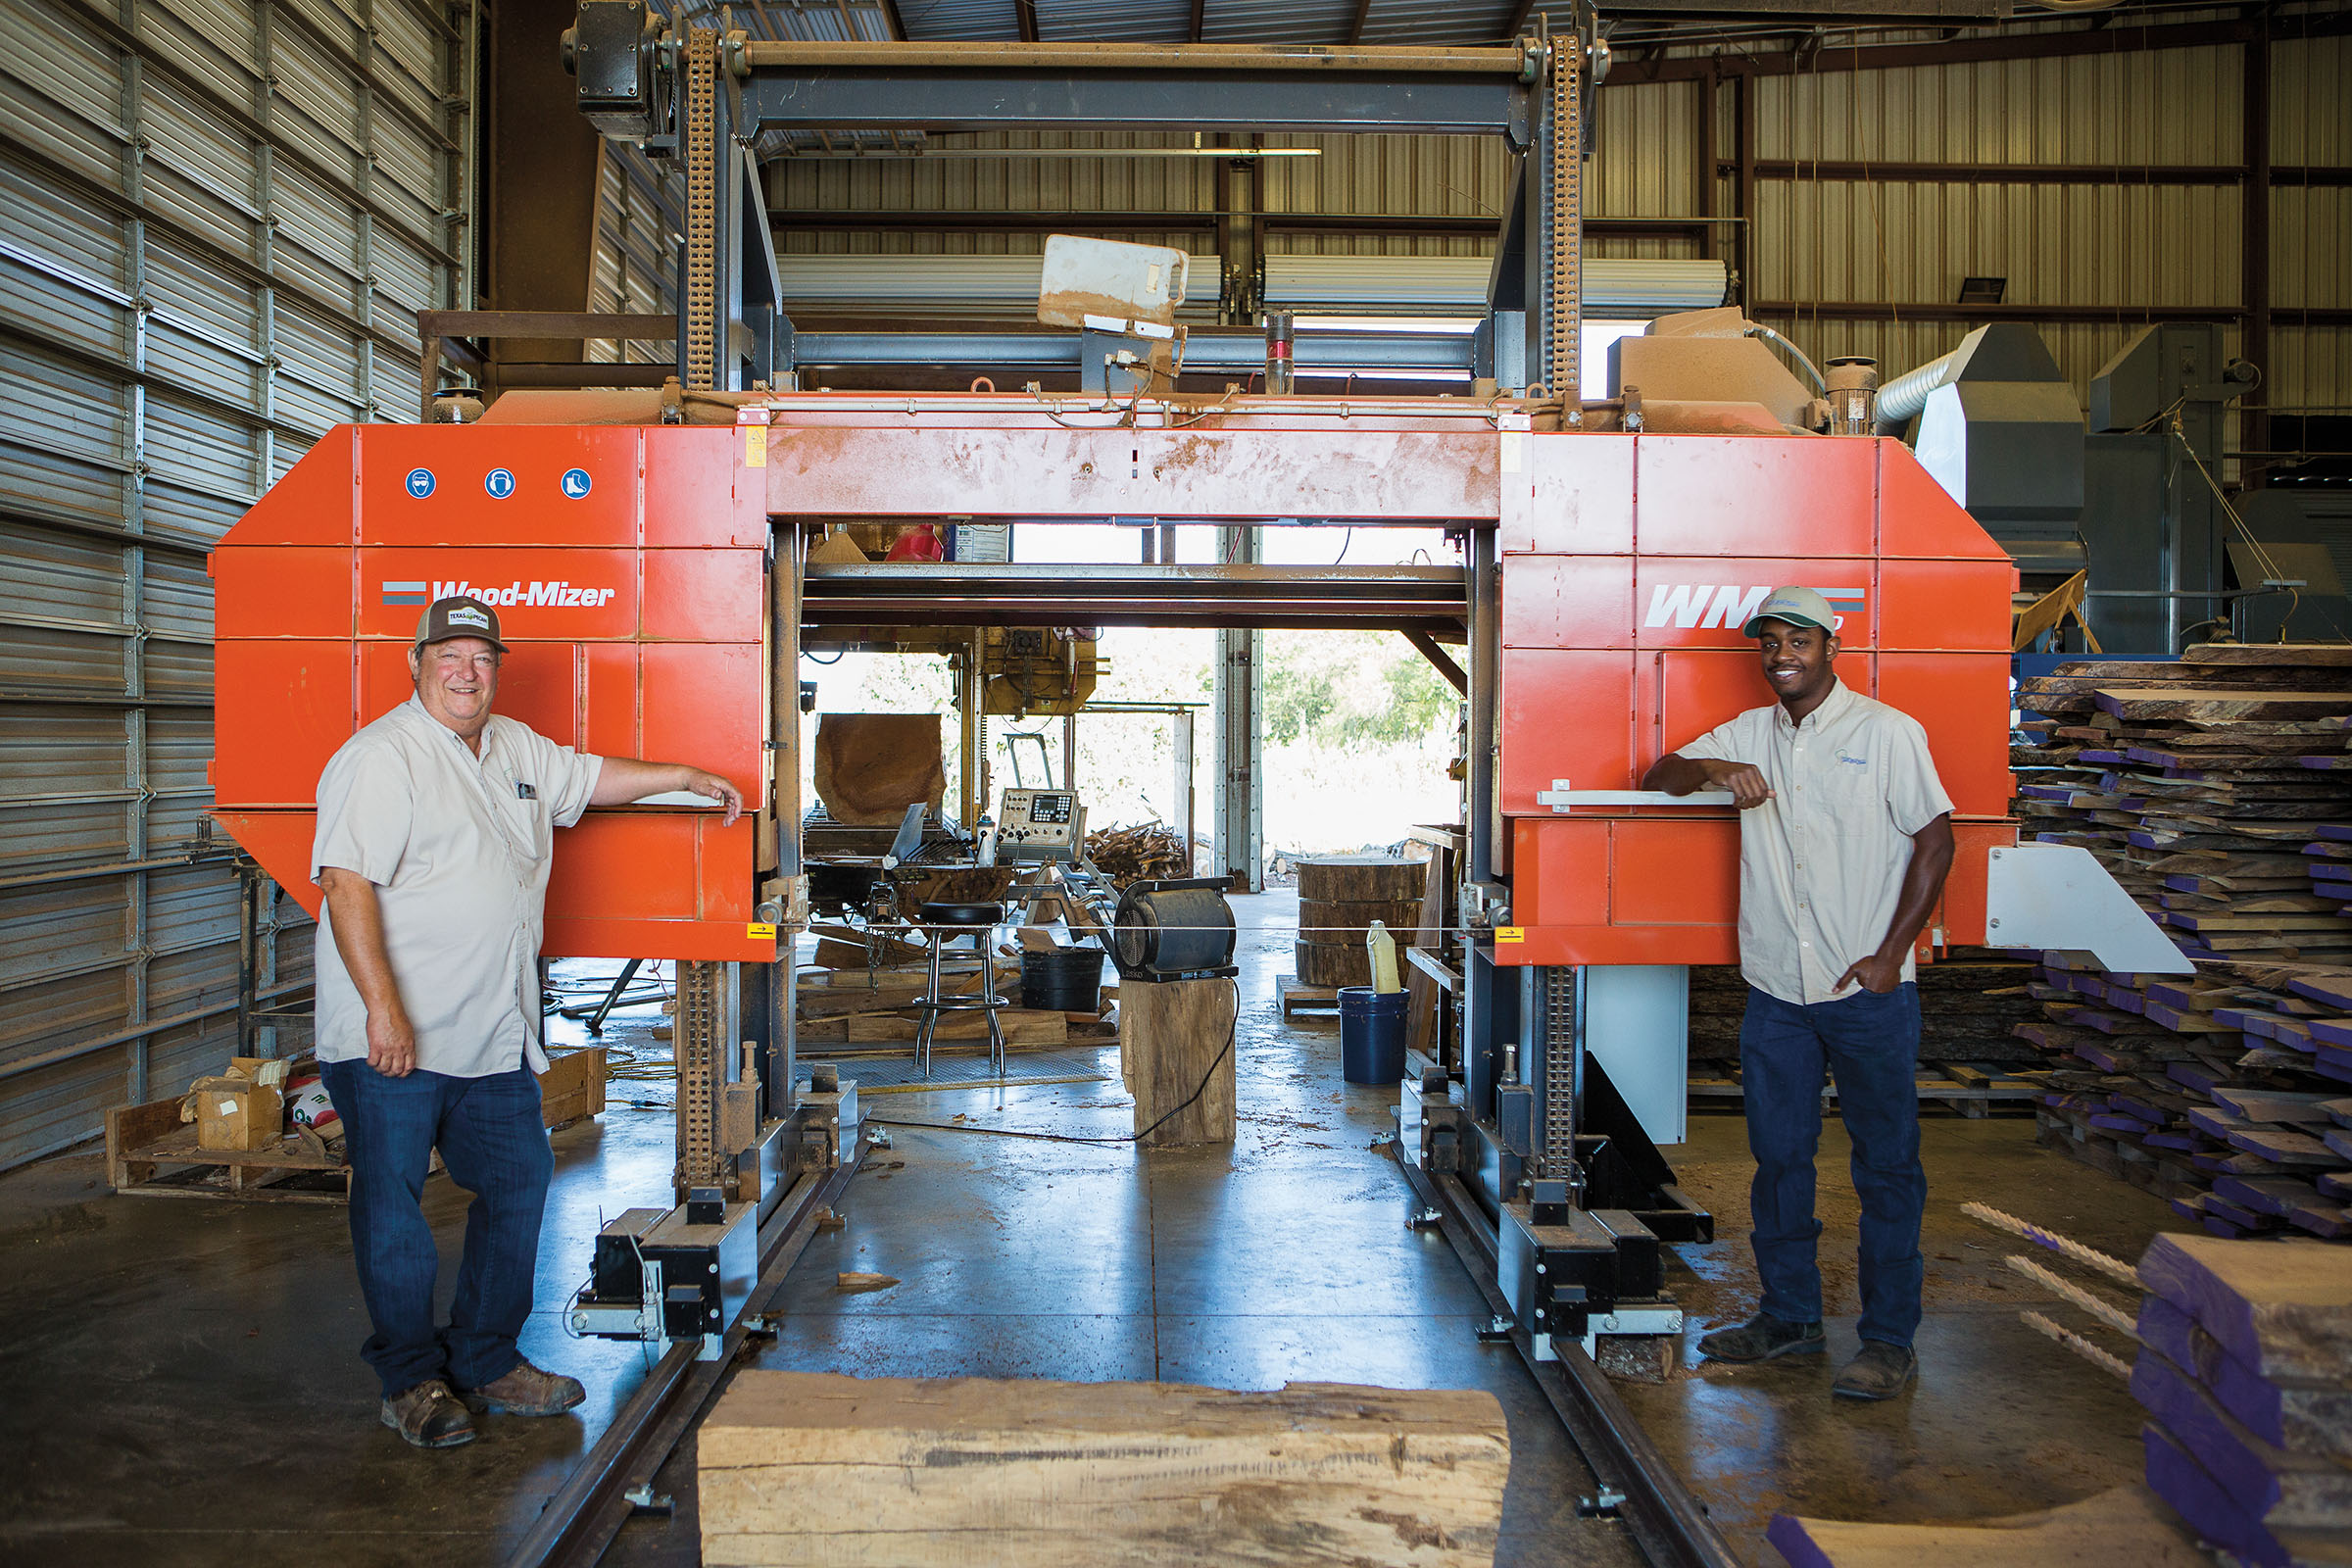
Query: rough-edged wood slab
[
  {"x": 2202, "y": 703},
  {"x": 1360, "y": 878},
  {"x": 2191, "y": 1491},
  {"x": 2284, "y": 1308},
  {"x": 2309, "y": 1418},
  {"x": 2337, "y": 654},
  {"x": 814, "y": 1468},
  {"x": 2278, "y": 1485},
  {"x": 871, "y": 767},
  {"x": 2125, "y": 1525}
]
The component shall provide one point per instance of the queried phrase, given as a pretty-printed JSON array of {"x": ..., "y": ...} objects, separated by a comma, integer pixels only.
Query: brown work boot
[
  {"x": 429, "y": 1416},
  {"x": 529, "y": 1390},
  {"x": 1880, "y": 1372}
]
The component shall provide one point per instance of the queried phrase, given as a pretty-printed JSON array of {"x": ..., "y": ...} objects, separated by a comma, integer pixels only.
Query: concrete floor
[{"x": 186, "y": 1387}]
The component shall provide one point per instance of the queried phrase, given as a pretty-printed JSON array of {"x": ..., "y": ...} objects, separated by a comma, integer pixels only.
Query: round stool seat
[{"x": 973, "y": 915}]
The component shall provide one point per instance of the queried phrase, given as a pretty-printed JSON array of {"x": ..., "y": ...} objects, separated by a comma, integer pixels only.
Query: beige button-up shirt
[
  {"x": 1822, "y": 863},
  {"x": 458, "y": 847}
]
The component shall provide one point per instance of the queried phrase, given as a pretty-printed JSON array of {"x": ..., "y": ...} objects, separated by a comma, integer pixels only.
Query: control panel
[{"x": 1040, "y": 825}]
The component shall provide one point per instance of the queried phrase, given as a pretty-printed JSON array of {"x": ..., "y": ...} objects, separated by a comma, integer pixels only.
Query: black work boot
[
  {"x": 429, "y": 1416},
  {"x": 1761, "y": 1338},
  {"x": 1880, "y": 1372}
]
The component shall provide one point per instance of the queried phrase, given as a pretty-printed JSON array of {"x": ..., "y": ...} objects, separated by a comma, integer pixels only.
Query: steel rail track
[
  {"x": 1668, "y": 1524},
  {"x": 587, "y": 1511}
]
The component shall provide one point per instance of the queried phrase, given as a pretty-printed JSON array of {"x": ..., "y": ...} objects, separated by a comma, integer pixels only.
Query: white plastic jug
[{"x": 1381, "y": 948}]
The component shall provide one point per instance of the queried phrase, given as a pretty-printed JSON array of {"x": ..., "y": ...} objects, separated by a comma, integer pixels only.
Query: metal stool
[{"x": 942, "y": 923}]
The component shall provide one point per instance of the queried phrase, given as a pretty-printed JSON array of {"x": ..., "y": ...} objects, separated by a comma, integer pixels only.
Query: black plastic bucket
[
  {"x": 1371, "y": 1035},
  {"x": 1069, "y": 980}
]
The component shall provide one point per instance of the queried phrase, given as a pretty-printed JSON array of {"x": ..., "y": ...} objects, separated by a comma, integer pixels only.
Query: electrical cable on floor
[{"x": 1231, "y": 1034}]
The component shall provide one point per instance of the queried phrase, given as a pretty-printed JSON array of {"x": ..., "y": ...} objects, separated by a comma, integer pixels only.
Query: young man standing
[
  {"x": 436, "y": 829},
  {"x": 1845, "y": 834}
]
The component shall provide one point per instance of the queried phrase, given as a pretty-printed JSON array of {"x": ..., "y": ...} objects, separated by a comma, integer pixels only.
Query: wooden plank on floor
[{"x": 800, "y": 1468}]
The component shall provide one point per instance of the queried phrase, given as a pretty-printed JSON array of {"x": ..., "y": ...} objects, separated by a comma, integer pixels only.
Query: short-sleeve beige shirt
[
  {"x": 1822, "y": 863},
  {"x": 458, "y": 847}
]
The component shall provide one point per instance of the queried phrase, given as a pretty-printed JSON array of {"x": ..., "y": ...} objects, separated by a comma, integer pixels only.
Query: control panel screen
[{"x": 1049, "y": 807}]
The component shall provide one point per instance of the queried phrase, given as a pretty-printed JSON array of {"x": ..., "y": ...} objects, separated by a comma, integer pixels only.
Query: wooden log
[
  {"x": 1360, "y": 878},
  {"x": 1021, "y": 1027},
  {"x": 2312, "y": 655},
  {"x": 1176, "y": 1045},
  {"x": 815, "y": 1468},
  {"x": 2284, "y": 1310},
  {"x": 2210, "y": 703},
  {"x": 1330, "y": 920},
  {"x": 1332, "y": 965}
]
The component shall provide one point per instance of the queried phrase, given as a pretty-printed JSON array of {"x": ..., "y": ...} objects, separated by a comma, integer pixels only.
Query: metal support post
[{"x": 1240, "y": 726}]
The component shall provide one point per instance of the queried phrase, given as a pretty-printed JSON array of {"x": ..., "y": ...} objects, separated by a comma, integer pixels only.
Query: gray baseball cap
[
  {"x": 459, "y": 616},
  {"x": 1799, "y": 607}
]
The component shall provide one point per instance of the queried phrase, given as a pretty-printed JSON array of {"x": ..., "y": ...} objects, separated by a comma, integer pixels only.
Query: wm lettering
[
  {"x": 559, "y": 595},
  {"x": 1684, "y": 604}
]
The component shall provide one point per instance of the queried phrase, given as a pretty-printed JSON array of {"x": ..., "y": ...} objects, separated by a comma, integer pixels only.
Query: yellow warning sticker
[
  {"x": 760, "y": 931},
  {"x": 755, "y": 446},
  {"x": 1510, "y": 933}
]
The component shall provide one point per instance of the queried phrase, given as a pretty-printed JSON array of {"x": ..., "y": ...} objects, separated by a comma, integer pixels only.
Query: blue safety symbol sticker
[
  {"x": 499, "y": 482},
  {"x": 576, "y": 482},
  {"x": 421, "y": 482}
]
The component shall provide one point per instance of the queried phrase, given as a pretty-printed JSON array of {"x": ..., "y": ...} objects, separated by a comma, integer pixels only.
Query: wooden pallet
[
  {"x": 1972, "y": 1091},
  {"x": 150, "y": 1152},
  {"x": 1296, "y": 996}
]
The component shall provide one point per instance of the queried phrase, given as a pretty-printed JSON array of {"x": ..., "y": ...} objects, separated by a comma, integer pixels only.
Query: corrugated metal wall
[
  {"x": 2079, "y": 246},
  {"x": 638, "y": 216},
  {"x": 218, "y": 216}
]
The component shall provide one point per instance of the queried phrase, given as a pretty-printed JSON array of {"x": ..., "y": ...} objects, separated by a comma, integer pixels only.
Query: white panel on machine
[
  {"x": 1040, "y": 825},
  {"x": 1638, "y": 1027},
  {"x": 2058, "y": 897}
]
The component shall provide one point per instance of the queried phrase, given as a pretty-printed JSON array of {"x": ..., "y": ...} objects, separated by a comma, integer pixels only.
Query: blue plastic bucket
[{"x": 1371, "y": 1035}]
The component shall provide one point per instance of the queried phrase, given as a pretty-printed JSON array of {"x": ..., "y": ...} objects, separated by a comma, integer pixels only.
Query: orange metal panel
[
  {"x": 1568, "y": 601},
  {"x": 1678, "y": 871},
  {"x": 705, "y": 595},
  {"x": 1563, "y": 871},
  {"x": 610, "y": 700},
  {"x": 1700, "y": 688},
  {"x": 1724, "y": 495},
  {"x": 1570, "y": 495},
  {"x": 1945, "y": 603},
  {"x": 1964, "y": 893},
  {"x": 1703, "y": 602},
  {"x": 1564, "y": 715},
  {"x": 282, "y": 591},
  {"x": 311, "y": 503},
  {"x": 538, "y": 593},
  {"x": 294, "y": 701},
  {"x": 627, "y": 864},
  {"x": 1918, "y": 518},
  {"x": 1961, "y": 699},
  {"x": 537, "y": 686},
  {"x": 704, "y": 701},
  {"x": 595, "y": 937},
  {"x": 498, "y": 484},
  {"x": 697, "y": 491}
]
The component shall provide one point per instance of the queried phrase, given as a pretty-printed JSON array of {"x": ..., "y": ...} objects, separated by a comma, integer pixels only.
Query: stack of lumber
[
  {"x": 812, "y": 1467},
  {"x": 2122, "y": 1525},
  {"x": 1340, "y": 896},
  {"x": 2245, "y": 1371},
  {"x": 1150, "y": 853},
  {"x": 1968, "y": 1003},
  {"x": 838, "y": 1007},
  {"x": 2215, "y": 789}
]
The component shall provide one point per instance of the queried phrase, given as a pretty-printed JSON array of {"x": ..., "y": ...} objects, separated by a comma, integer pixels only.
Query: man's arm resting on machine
[
  {"x": 627, "y": 778},
  {"x": 1677, "y": 774}
]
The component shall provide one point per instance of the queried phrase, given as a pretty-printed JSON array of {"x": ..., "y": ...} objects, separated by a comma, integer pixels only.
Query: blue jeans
[
  {"x": 493, "y": 1142},
  {"x": 1869, "y": 1044}
]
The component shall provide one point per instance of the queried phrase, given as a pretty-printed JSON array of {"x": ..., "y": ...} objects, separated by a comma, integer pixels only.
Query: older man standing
[
  {"x": 1845, "y": 834},
  {"x": 436, "y": 825}
]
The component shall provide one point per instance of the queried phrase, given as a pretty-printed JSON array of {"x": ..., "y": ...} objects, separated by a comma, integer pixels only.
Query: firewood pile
[{"x": 1150, "y": 851}]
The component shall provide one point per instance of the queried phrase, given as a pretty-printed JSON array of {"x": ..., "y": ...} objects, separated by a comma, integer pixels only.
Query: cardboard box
[{"x": 237, "y": 1113}]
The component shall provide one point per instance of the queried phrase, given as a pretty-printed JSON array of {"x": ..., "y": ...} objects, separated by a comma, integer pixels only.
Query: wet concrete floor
[{"x": 184, "y": 1384}]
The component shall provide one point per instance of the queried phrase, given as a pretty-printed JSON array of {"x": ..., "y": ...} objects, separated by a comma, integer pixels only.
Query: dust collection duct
[{"x": 1385, "y": 285}]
